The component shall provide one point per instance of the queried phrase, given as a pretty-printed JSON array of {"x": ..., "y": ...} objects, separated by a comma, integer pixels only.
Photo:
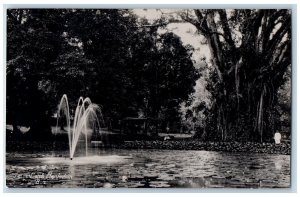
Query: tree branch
[
  {"x": 214, "y": 40},
  {"x": 226, "y": 29},
  {"x": 277, "y": 37}
]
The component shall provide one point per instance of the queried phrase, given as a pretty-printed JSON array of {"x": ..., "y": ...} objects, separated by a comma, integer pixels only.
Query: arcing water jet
[{"x": 85, "y": 121}]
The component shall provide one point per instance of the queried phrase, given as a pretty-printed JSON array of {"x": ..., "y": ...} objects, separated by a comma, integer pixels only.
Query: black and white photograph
[{"x": 148, "y": 98}]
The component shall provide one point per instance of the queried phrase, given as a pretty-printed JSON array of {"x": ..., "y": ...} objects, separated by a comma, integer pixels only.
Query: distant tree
[
  {"x": 283, "y": 108},
  {"x": 170, "y": 76},
  {"x": 195, "y": 110}
]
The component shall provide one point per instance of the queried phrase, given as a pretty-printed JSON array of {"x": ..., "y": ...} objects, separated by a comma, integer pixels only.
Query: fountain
[
  {"x": 85, "y": 128},
  {"x": 86, "y": 120}
]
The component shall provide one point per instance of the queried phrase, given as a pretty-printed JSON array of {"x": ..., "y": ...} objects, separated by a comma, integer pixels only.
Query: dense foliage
[
  {"x": 123, "y": 65},
  {"x": 131, "y": 69}
]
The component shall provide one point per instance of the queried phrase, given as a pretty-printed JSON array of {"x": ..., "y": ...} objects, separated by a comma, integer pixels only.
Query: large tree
[{"x": 250, "y": 52}]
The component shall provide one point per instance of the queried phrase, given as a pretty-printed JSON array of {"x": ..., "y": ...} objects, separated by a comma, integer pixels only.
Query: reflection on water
[{"x": 150, "y": 168}]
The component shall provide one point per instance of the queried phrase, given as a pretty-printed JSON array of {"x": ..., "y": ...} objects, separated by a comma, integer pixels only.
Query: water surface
[{"x": 148, "y": 169}]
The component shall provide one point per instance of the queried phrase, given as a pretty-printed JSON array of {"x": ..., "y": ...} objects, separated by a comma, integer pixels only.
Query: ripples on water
[{"x": 149, "y": 168}]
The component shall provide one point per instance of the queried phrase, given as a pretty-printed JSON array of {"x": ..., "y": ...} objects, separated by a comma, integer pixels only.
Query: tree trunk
[{"x": 260, "y": 125}]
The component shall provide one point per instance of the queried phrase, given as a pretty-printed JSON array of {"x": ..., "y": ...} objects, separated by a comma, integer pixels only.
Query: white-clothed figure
[{"x": 277, "y": 138}]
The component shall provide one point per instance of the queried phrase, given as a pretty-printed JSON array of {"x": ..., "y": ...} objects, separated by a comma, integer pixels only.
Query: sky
[{"x": 186, "y": 31}]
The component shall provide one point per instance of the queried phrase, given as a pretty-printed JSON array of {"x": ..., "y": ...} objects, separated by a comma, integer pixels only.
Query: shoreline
[
  {"x": 191, "y": 144},
  {"x": 250, "y": 147}
]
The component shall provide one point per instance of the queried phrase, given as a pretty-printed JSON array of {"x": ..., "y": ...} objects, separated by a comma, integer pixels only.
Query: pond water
[{"x": 148, "y": 169}]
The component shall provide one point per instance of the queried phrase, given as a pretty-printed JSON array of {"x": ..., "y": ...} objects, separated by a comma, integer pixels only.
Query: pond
[{"x": 118, "y": 168}]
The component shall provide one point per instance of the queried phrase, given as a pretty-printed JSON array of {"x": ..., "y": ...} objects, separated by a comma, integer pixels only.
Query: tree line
[{"x": 125, "y": 65}]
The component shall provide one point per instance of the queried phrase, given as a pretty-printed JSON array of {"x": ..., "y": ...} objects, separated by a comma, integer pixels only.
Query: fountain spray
[{"x": 85, "y": 120}]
